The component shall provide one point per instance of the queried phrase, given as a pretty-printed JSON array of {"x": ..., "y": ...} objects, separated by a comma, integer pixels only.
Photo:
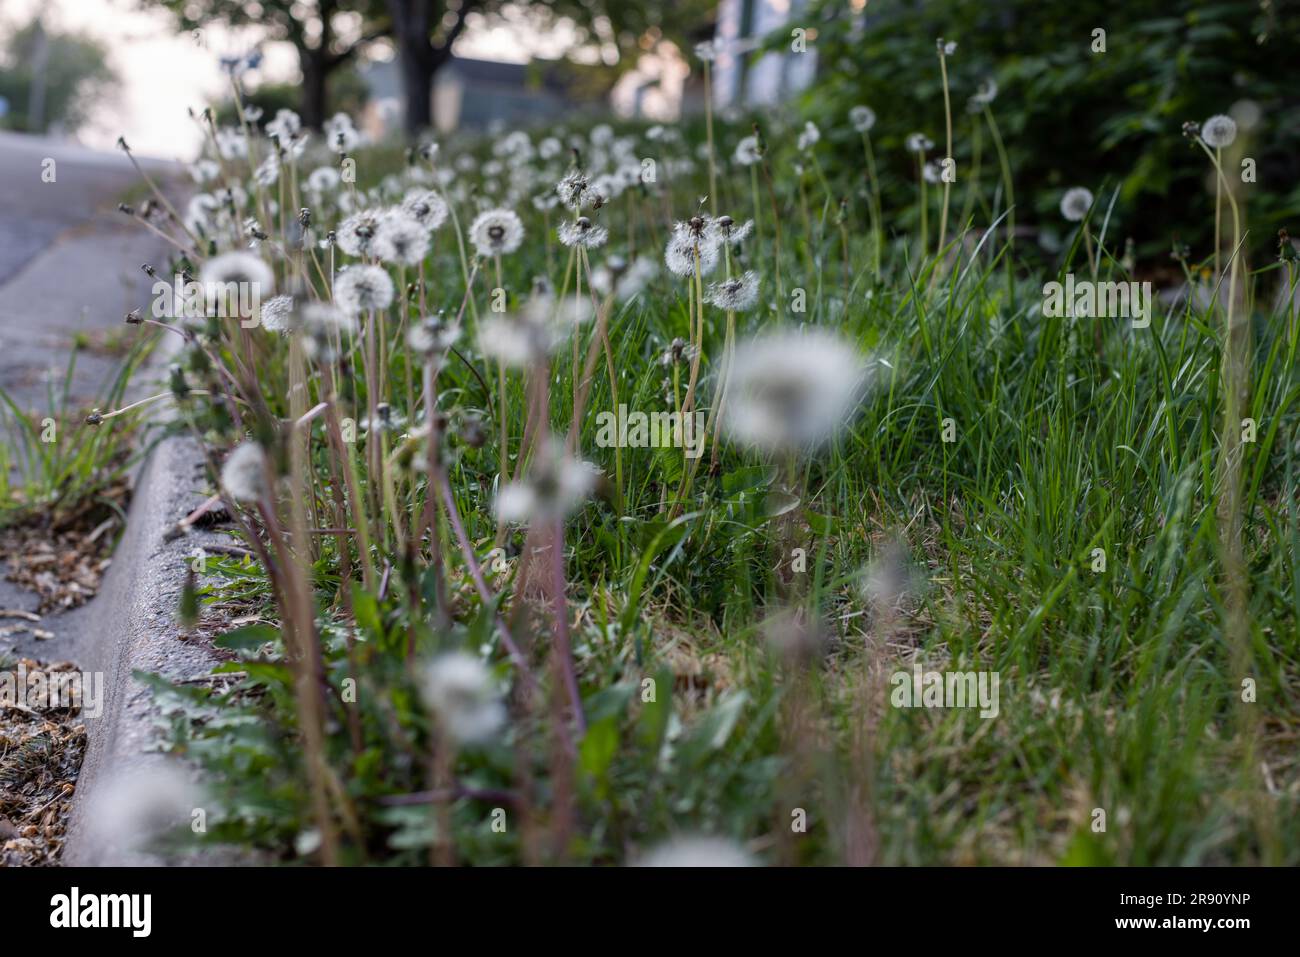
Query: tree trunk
[
  {"x": 417, "y": 89},
  {"x": 313, "y": 101}
]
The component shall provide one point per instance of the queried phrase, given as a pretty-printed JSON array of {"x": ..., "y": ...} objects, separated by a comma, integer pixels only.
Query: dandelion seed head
[
  {"x": 432, "y": 336},
  {"x": 360, "y": 288},
  {"x": 1219, "y": 131},
  {"x": 286, "y": 125},
  {"x": 495, "y": 232},
  {"x": 426, "y": 207},
  {"x": 327, "y": 331},
  {"x": 918, "y": 143},
  {"x": 340, "y": 135},
  {"x": 356, "y": 234},
  {"x": 239, "y": 268},
  {"x": 697, "y": 851},
  {"x": 460, "y": 691},
  {"x": 793, "y": 391},
  {"x": 1075, "y": 204},
  {"x": 277, "y": 314},
  {"x": 747, "y": 152},
  {"x": 323, "y": 179},
  {"x": 555, "y": 487},
  {"x": 809, "y": 137},
  {"x": 400, "y": 239},
  {"x": 738, "y": 294},
  {"x": 581, "y": 232},
  {"x": 268, "y": 171},
  {"x": 862, "y": 118},
  {"x": 574, "y": 190},
  {"x": 138, "y": 806},
  {"x": 244, "y": 473},
  {"x": 686, "y": 241}
]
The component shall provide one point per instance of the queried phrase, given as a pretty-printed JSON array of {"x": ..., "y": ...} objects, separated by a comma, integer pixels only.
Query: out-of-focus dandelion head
[
  {"x": 496, "y": 232},
  {"x": 460, "y": 691},
  {"x": 1219, "y": 131},
  {"x": 697, "y": 851},
  {"x": 1075, "y": 204},
  {"x": 793, "y": 391}
]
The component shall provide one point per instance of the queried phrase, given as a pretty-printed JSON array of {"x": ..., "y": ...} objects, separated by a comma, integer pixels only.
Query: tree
[
  {"x": 51, "y": 79},
  {"x": 326, "y": 33}
]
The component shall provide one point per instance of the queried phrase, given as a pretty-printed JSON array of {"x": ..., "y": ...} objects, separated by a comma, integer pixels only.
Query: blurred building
[
  {"x": 772, "y": 77},
  {"x": 475, "y": 94}
]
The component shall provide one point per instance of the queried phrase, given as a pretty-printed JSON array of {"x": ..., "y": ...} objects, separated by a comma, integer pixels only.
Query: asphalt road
[{"x": 69, "y": 265}]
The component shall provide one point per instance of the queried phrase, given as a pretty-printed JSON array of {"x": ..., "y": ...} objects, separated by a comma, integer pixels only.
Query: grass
[
  {"x": 52, "y": 462},
  {"x": 1070, "y": 538}
]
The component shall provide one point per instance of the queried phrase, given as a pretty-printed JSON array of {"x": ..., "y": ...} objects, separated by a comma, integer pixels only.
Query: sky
[{"x": 163, "y": 73}]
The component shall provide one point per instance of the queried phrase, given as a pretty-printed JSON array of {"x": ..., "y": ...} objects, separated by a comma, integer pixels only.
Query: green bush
[{"x": 1070, "y": 116}]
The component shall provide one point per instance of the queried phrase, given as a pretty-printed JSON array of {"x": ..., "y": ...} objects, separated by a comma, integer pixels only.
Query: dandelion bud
[
  {"x": 149, "y": 271},
  {"x": 304, "y": 217},
  {"x": 180, "y": 388},
  {"x": 472, "y": 432},
  {"x": 133, "y": 318},
  {"x": 95, "y": 418}
]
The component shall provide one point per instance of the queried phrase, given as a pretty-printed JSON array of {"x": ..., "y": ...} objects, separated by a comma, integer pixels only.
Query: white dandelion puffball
[
  {"x": 459, "y": 690},
  {"x": 323, "y": 179},
  {"x": 327, "y": 331},
  {"x": 139, "y": 805},
  {"x": 809, "y": 137},
  {"x": 793, "y": 391},
  {"x": 624, "y": 280},
  {"x": 986, "y": 93},
  {"x": 340, "y": 135},
  {"x": 400, "y": 239},
  {"x": 239, "y": 267},
  {"x": 575, "y": 190},
  {"x": 286, "y": 125},
  {"x": 555, "y": 487},
  {"x": 277, "y": 314},
  {"x": 918, "y": 143},
  {"x": 361, "y": 289},
  {"x": 862, "y": 118},
  {"x": 495, "y": 232},
  {"x": 747, "y": 153},
  {"x": 536, "y": 331},
  {"x": 1075, "y": 204},
  {"x": 1219, "y": 131},
  {"x": 356, "y": 234},
  {"x": 731, "y": 232},
  {"x": 697, "y": 852},
  {"x": 688, "y": 241},
  {"x": 426, "y": 207},
  {"x": 738, "y": 294},
  {"x": 581, "y": 232},
  {"x": 432, "y": 335},
  {"x": 244, "y": 473}
]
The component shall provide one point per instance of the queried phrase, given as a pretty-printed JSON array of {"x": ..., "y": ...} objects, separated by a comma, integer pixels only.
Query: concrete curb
[
  {"x": 136, "y": 611},
  {"x": 139, "y": 600}
]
